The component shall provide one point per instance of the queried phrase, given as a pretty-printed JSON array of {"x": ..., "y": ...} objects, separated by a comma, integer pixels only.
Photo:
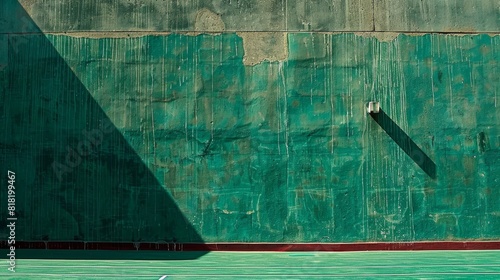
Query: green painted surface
[
  {"x": 222, "y": 265},
  {"x": 279, "y": 151}
]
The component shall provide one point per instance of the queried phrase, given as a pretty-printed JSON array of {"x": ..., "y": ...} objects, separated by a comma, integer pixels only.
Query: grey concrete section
[
  {"x": 182, "y": 15},
  {"x": 437, "y": 16},
  {"x": 153, "y": 15},
  {"x": 330, "y": 15},
  {"x": 251, "y": 15},
  {"x": 257, "y": 15}
]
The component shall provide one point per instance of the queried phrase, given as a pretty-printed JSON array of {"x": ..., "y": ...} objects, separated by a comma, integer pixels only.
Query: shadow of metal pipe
[{"x": 405, "y": 143}]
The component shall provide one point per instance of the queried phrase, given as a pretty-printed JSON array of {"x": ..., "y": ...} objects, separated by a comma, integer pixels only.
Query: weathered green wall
[{"x": 215, "y": 139}]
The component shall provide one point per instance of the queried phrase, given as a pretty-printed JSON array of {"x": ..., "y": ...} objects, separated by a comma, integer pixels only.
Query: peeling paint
[
  {"x": 100, "y": 35},
  {"x": 264, "y": 46},
  {"x": 381, "y": 36},
  {"x": 208, "y": 21}
]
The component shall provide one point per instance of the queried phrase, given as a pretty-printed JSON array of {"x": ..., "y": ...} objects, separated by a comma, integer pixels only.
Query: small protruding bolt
[{"x": 373, "y": 107}]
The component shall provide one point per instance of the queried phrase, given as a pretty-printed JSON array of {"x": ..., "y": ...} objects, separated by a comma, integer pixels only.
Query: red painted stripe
[{"x": 270, "y": 247}]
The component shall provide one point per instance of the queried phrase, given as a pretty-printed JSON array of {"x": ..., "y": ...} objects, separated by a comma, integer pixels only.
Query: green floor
[{"x": 265, "y": 265}]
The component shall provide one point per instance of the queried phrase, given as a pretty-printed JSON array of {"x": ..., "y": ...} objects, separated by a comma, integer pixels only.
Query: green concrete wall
[{"x": 214, "y": 136}]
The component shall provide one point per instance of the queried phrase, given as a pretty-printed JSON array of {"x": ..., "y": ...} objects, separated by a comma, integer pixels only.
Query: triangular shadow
[{"x": 77, "y": 177}]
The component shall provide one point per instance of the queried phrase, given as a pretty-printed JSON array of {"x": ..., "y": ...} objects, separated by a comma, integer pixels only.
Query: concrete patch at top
[
  {"x": 208, "y": 21},
  {"x": 260, "y": 46}
]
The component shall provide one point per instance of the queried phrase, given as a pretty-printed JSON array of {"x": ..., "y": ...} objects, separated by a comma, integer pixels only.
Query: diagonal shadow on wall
[
  {"x": 77, "y": 178},
  {"x": 405, "y": 143}
]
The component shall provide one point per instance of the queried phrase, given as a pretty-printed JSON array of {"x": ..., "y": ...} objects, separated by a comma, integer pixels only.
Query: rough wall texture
[{"x": 118, "y": 131}]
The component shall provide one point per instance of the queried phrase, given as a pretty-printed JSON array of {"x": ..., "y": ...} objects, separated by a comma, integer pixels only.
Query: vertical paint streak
[
  {"x": 450, "y": 77},
  {"x": 432, "y": 70},
  {"x": 332, "y": 93}
]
